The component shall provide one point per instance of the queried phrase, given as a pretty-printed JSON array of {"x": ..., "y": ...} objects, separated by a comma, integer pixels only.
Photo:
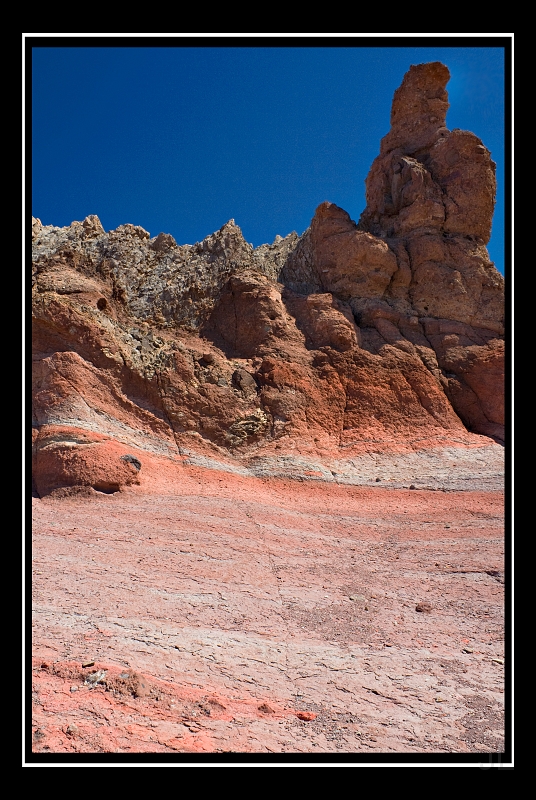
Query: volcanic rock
[
  {"x": 227, "y": 556},
  {"x": 294, "y": 358}
]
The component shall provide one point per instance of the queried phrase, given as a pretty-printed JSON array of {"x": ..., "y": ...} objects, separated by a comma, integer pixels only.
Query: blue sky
[{"x": 181, "y": 139}]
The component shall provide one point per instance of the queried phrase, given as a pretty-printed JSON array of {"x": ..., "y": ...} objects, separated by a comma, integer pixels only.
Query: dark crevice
[
  {"x": 106, "y": 487},
  {"x": 162, "y": 395},
  {"x": 235, "y": 320},
  {"x": 343, "y": 428}
]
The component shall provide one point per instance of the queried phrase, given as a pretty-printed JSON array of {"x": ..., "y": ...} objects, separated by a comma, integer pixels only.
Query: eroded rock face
[
  {"x": 349, "y": 262},
  {"x": 380, "y": 334}
]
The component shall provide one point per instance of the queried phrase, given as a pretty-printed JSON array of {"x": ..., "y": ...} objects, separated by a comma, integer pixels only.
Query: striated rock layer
[{"x": 302, "y": 358}]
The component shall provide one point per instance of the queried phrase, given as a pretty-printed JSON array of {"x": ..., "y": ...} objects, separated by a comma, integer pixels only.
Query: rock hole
[
  {"x": 106, "y": 487},
  {"x": 102, "y": 303}
]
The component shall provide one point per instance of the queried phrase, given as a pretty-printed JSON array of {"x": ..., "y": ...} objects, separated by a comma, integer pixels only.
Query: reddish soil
[{"x": 253, "y": 616}]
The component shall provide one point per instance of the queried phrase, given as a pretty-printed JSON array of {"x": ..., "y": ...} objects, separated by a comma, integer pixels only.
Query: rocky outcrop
[
  {"x": 380, "y": 335},
  {"x": 415, "y": 269}
]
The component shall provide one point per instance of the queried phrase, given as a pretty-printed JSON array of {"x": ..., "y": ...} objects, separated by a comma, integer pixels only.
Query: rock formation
[{"x": 380, "y": 336}]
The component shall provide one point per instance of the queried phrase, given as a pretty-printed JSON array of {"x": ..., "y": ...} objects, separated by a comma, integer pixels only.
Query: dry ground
[{"x": 258, "y": 616}]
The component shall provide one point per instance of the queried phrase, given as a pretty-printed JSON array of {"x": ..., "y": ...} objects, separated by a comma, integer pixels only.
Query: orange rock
[{"x": 306, "y": 716}]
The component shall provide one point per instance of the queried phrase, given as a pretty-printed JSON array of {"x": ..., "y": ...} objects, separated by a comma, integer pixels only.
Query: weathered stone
[
  {"x": 163, "y": 242},
  {"x": 326, "y": 321},
  {"x": 249, "y": 316},
  {"x": 191, "y": 382},
  {"x": 65, "y": 456},
  {"x": 244, "y": 381},
  {"x": 92, "y": 226},
  {"x": 431, "y": 194},
  {"x": 462, "y": 167},
  {"x": 349, "y": 263},
  {"x": 419, "y": 109},
  {"x": 351, "y": 336}
]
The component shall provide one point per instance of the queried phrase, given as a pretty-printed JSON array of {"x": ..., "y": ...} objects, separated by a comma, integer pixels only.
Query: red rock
[
  {"x": 380, "y": 334},
  {"x": 234, "y": 588},
  {"x": 349, "y": 262},
  {"x": 224, "y": 456}
]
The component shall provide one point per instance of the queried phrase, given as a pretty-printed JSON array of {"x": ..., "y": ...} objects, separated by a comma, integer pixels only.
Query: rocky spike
[{"x": 419, "y": 109}]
